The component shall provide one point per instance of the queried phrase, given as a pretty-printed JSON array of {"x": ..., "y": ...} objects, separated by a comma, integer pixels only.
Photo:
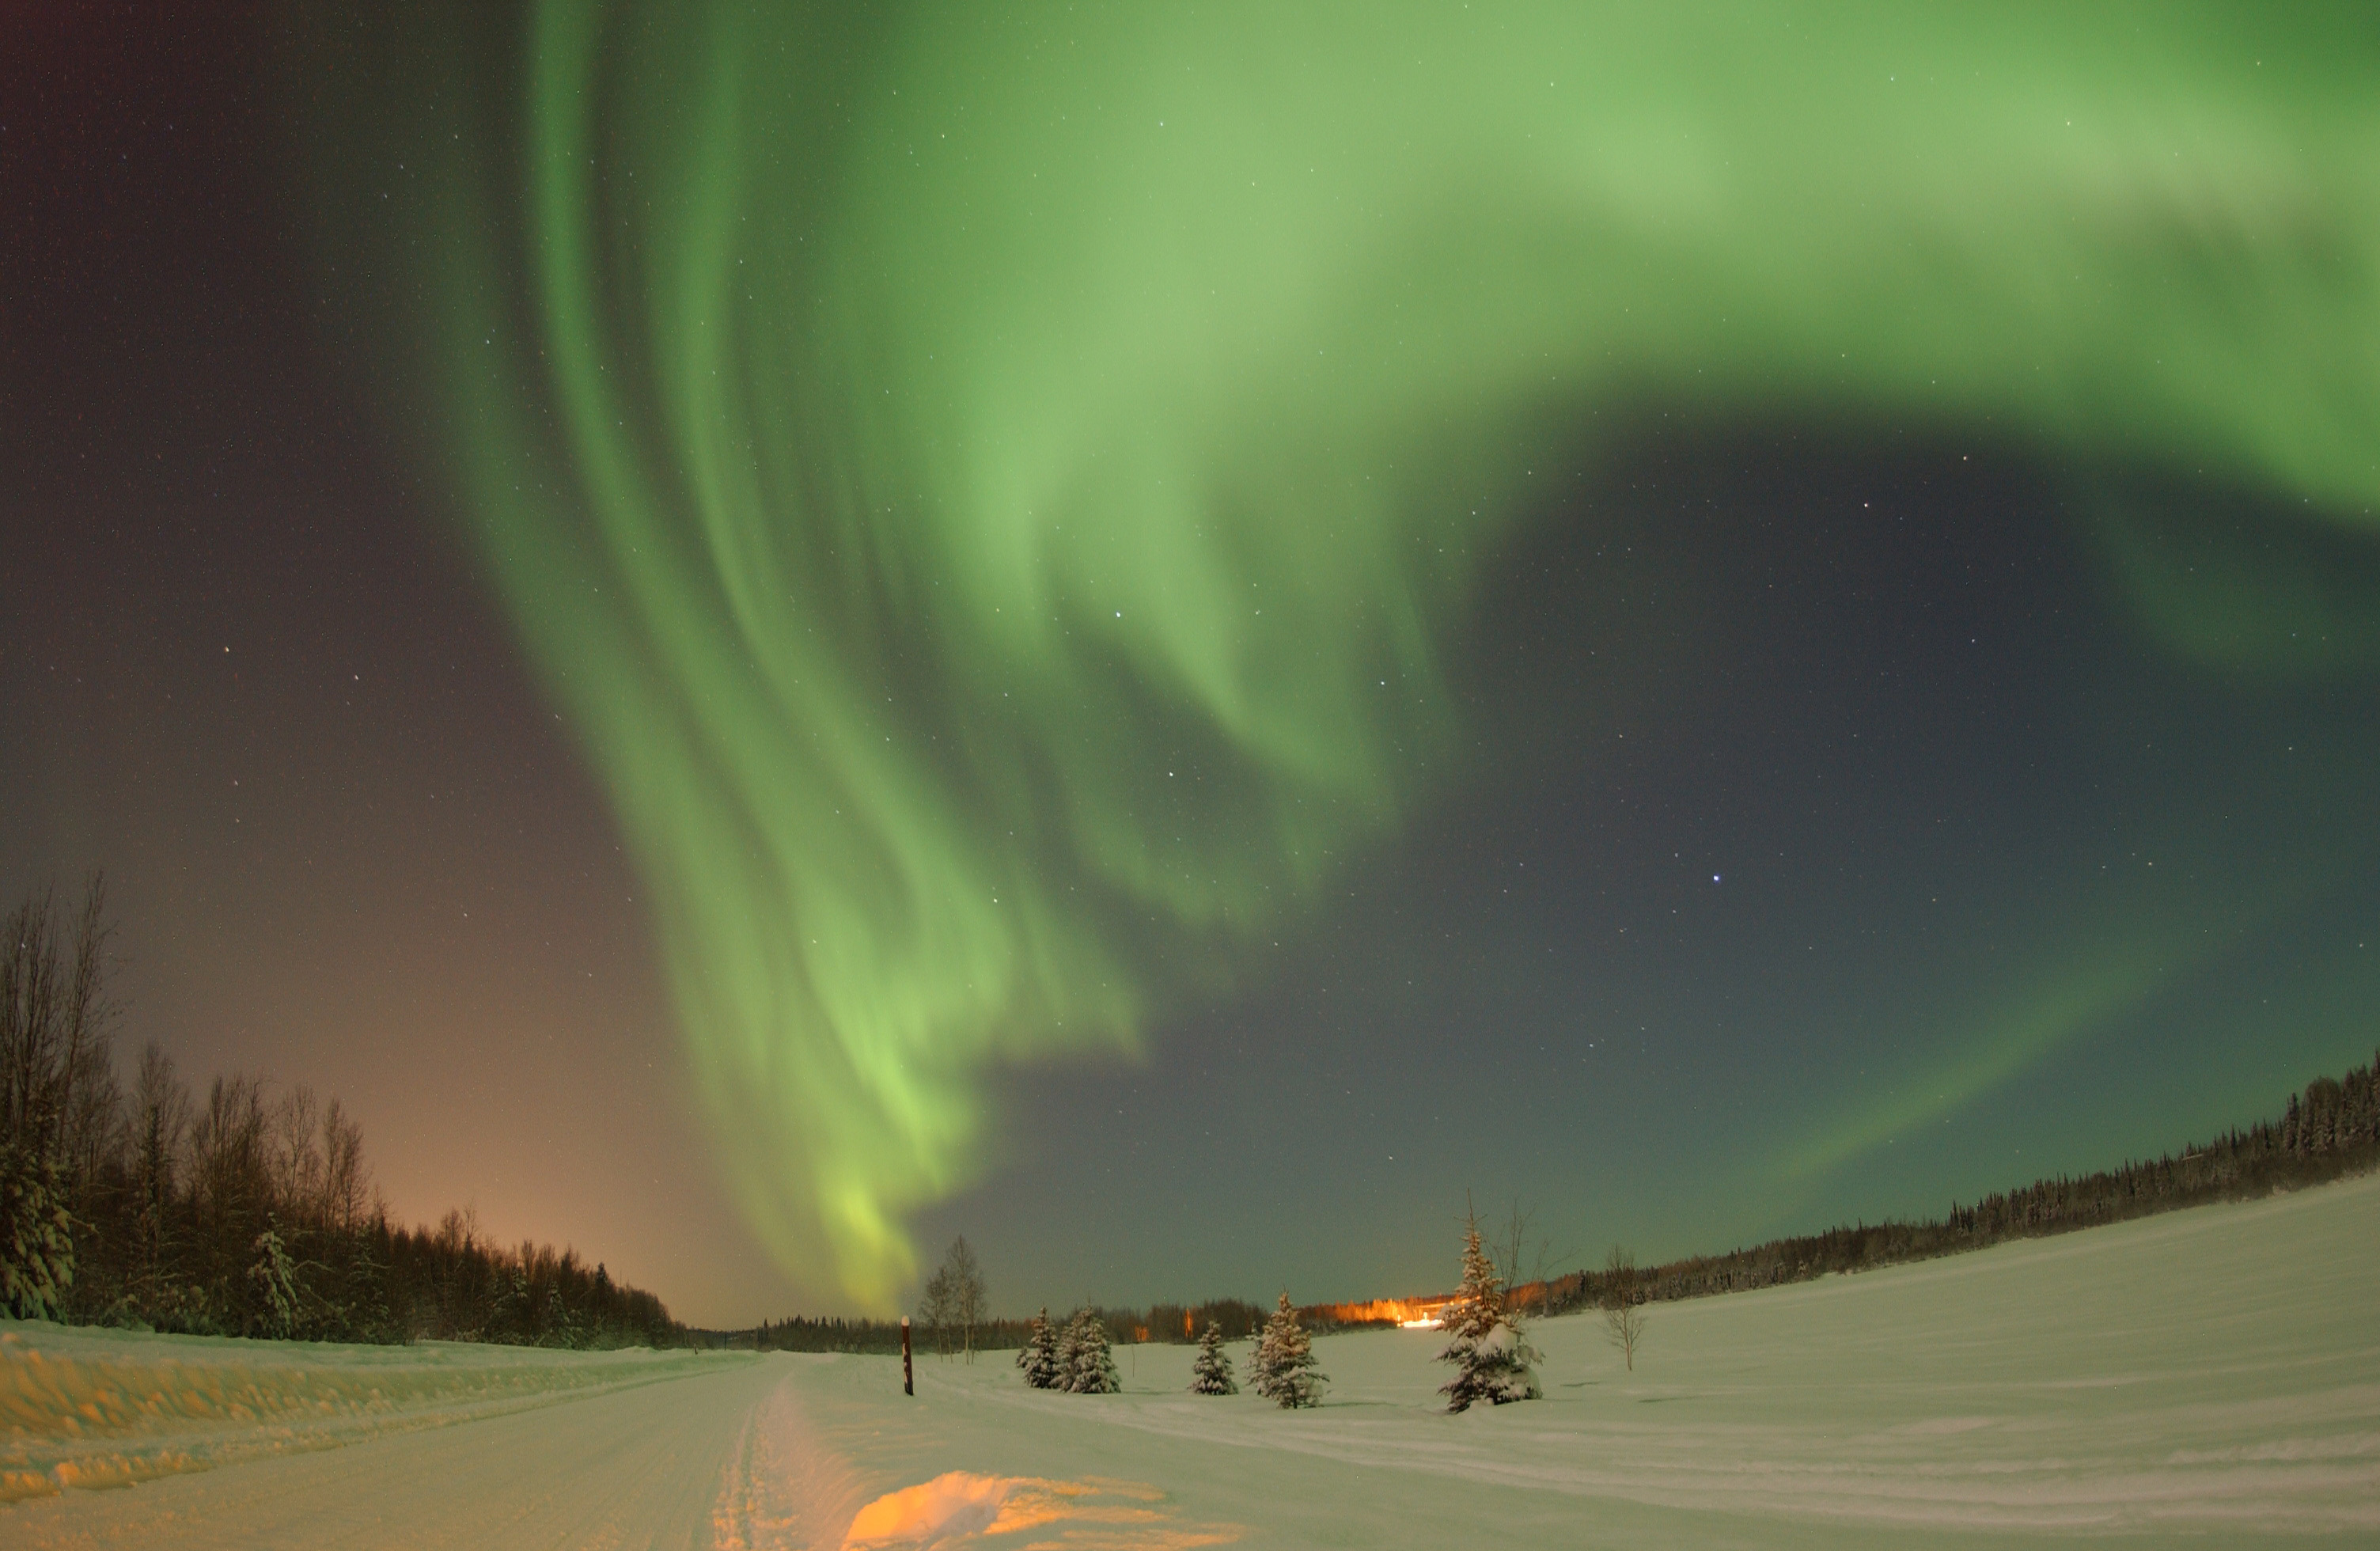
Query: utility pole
[{"x": 908, "y": 1378}]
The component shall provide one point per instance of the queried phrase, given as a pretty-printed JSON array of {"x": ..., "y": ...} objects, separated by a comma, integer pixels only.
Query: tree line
[
  {"x": 2329, "y": 1130},
  {"x": 241, "y": 1211},
  {"x": 1176, "y": 1323},
  {"x": 953, "y": 1316}
]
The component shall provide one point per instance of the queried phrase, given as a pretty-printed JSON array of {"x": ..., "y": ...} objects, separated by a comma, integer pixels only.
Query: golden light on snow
[{"x": 959, "y": 1508}]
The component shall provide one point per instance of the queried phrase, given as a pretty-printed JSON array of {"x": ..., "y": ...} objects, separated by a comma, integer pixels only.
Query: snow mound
[
  {"x": 938, "y": 1512},
  {"x": 959, "y": 1508}
]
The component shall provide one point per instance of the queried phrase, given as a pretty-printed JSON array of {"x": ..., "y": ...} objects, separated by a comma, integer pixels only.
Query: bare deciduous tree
[
  {"x": 953, "y": 1302},
  {"x": 296, "y": 1159},
  {"x": 934, "y": 1309},
  {"x": 58, "y": 1098},
  {"x": 1623, "y": 1304},
  {"x": 346, "y": 1182},
  {"x": 160, "y": 1124},
  {"x": 90, "y": 1105},
  {"x": 229, "y": 1165},
  {"x": 967, "y": 1298},
  {"x": 29, "y": 1024},
  {"x": 1524, "y": 1264}
]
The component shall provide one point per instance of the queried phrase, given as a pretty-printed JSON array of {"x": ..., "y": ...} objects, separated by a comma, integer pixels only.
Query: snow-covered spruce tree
[
  {"x": 37, "y": 1261},
  {"x": 1038, "y": 1355},
  {"x": 1211, "y": 1370},
  {"x": 275, "y": 1276},
  {"x": 1492, "y": 1361},
  {"x": 1284, "y": 1370},
  {"x": 1062, "y": 1354},
  {"x": 1088, "y": 1366}
]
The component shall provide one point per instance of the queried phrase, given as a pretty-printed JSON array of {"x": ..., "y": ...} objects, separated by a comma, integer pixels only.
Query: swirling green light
[{"x": 992, "y": 484}]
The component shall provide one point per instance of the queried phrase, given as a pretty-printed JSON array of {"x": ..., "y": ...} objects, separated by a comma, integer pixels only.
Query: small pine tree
[
  {"x": 1088, "y": 1368},
  {"x": 1492, "y": 1362},
  {"x": 1284, "y": 1370},
  {"x": 276, "y": 1277},
  {"x": 1211, "y": 1370},
  {"x": 1038, "y": 1355},
  {"x": 1063, "y": 1352},
  {"x": 561, "y": 1330}
]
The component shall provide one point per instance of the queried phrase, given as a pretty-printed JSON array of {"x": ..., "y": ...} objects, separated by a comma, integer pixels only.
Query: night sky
[{"x": 1174, "y": 645}]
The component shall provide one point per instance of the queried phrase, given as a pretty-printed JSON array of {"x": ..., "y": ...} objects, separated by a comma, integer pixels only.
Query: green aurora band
[{"x": 993, "y": 485}]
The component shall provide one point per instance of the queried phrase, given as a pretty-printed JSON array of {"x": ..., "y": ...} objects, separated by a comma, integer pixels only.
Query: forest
[
  {"x": 1177, "y": 1323},
  {"x": 238, "y": 1211},
  {"x": 2329, "y": 1130}
]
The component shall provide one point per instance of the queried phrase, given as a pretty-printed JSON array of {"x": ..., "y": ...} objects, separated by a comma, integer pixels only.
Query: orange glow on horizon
[
  {"x": 1380, "y": 1311},
  {"x": 1420, "y": 1313}
]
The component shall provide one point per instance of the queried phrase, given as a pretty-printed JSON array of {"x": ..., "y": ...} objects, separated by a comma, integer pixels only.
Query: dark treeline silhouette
[
  {"x": 2330, "y": 1131},
  {"x": 1177, "y": 1323},
  {"x": 242, "y": 1212},
  {"x": 2333, "y": 1129},
  {"x": 1181, "y": 1323},
  {"x": 881, "y": 1336}
]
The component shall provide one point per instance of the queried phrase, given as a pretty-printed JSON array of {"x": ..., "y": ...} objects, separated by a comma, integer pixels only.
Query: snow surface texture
[{"x": 2211, "y": 1376}]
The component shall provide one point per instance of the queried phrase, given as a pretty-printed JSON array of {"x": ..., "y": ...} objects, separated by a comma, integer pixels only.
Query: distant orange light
[{"x": 1411, "y": 1313}]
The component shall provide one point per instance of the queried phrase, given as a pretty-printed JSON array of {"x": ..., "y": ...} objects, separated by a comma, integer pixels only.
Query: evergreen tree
[
  {"x": 275, "y": 1276},
  {"x": 1063, "y": 1353},
  {"x": 560, "y": 1328},
  {"x": 1038, "y": 1355},
  {"x": 1088, "y": 1366},
  {"x": 1491, "y": 1359},
  {"x": 1283, "y": 1370},
  {"x": 1210, "y": 1372},
  {"x": 36, "y": 1260}
]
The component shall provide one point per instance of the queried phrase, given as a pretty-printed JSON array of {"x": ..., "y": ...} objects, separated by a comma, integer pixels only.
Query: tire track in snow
[{"x": 785, "y": 1489}]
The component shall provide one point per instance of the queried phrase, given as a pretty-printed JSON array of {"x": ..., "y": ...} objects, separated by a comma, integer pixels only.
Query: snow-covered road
[
  {"x": 2213, "y": 1375},
  {"x": 632, "y": 1464}
]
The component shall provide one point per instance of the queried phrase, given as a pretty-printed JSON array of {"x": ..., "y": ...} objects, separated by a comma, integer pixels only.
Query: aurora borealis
[{"x": 1067, "y": 537}]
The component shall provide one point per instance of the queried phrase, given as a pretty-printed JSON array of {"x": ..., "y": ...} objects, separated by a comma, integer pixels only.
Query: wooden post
[{"x": 908, "y": 1379}]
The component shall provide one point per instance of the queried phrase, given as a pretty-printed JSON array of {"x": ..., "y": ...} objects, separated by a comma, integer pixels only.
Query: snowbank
[{"x": 104, "y": 1407}]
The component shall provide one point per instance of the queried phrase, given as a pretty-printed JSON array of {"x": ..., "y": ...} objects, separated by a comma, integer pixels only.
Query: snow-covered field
[{"x": 2212, "y": 1374}]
